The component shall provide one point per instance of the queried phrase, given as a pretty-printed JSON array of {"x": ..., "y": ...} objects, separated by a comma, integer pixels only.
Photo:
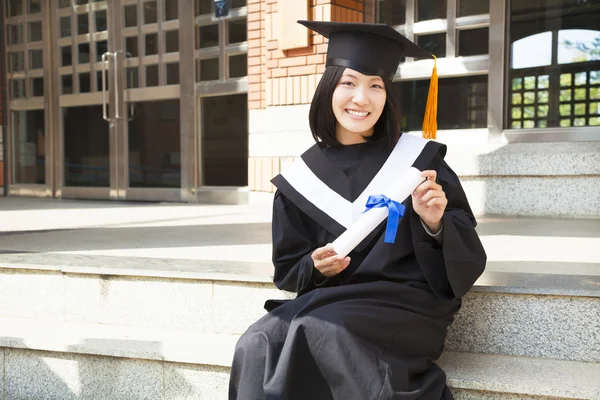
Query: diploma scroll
[{"x": 368, "y": 221}]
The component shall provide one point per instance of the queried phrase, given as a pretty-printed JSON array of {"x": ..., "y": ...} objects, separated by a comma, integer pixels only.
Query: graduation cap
[{"x": 375, "y": 49}]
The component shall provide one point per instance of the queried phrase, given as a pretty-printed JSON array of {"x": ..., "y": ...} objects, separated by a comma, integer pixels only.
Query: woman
[{"x": 369, "y": 325}]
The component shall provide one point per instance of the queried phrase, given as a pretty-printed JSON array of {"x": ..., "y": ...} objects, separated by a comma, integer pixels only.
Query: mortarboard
[{"x": 375, "y": 49}]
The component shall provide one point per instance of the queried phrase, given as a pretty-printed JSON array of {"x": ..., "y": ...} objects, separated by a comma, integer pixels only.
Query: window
[
  {"x": 391, "y": 12},
  {"x": 554, "y": 65},
  {"x": 434, "y": 43},
  {"x": 473, "y": 42},
  {"x": 238, "y": 66},
  {"x": 208, "y": 36},
  {"x": 431, "y": 9},
  {"x": 464, "y": 103},
  {"x": 473, "y": 7},
  {"x": 29, "y": 147}
]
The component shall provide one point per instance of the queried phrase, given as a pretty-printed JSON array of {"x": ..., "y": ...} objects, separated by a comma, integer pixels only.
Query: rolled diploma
[{"x": 368, "y": 221}]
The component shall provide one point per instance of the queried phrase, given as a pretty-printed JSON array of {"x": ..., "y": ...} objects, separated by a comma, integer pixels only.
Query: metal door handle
[
  {"x": 131, "y": 105},
  {"x": 104, "y": 99},
  {"x": 117, "y": 88}
]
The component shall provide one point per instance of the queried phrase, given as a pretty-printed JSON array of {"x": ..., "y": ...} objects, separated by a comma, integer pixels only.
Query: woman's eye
[
  {"x": 347, "y": 83},
  {"x": 377, "y": 86}
]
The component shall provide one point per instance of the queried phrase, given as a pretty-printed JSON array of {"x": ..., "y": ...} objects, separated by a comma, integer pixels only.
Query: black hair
[{"x": 322, "y": 119}]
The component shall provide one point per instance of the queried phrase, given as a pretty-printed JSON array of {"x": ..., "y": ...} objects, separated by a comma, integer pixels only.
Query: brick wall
[{"x": 286, "y": 77}]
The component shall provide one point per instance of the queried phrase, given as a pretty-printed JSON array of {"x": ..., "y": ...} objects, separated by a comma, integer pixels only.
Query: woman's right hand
[{"x": 327, "y": 262}]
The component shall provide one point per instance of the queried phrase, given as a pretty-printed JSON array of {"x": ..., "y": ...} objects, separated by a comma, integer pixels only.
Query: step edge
[
  {"x": 486, "y": 284},
  {"x": 124, "y": 342},
  {"x": 524, "y": 388}
]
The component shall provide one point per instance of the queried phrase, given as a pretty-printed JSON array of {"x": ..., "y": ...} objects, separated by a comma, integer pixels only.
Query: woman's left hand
[{"x": 429, "y": 201}]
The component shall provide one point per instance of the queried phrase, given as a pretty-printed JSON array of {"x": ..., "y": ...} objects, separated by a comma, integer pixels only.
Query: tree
[{"x": 592, "y": 49}]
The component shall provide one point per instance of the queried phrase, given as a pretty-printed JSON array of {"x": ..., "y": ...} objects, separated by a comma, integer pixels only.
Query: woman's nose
[{"x": 360, "y": 96}]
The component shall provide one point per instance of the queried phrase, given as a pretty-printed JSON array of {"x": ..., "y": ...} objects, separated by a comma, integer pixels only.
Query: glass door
[
  {"x": 86, "y": 77},
  {"x": 118, "y": 79},
  {"x": 149, "y": 145}
]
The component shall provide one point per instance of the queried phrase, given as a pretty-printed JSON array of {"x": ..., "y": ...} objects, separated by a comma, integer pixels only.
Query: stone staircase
[
  {"x": 117, "y": 333},
  {"x": 105, "y": 301}
]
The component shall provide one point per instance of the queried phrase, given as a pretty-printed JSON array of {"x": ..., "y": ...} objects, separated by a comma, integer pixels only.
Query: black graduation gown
[{"x": 375, "y": 330}]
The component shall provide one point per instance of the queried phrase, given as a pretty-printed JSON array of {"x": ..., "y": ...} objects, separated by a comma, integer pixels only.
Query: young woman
[{"x": 369, "y": 325}]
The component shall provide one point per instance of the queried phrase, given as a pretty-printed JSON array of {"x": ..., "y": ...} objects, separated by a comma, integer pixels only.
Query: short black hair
[{"x": 322, "y": 119}]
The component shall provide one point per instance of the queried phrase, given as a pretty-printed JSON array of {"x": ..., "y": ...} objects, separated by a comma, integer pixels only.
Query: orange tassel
[{"x": 430, "y": 119}]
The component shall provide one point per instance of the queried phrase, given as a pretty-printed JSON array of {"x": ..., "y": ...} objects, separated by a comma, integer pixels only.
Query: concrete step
[
  {"x": 491, "y": 376},
  {"x": 534, "y": 315},
  {"x": 45, "y": 359},
  {"x": 73, "y": 361}
]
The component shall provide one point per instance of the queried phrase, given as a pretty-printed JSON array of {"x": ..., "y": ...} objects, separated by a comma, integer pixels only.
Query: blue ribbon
[{"x": 396, "y": 210}]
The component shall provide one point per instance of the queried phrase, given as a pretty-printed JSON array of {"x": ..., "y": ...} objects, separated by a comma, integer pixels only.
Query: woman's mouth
[{"x": 357, "y": 114}]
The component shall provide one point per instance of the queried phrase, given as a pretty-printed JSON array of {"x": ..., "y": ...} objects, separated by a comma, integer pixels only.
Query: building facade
[
  {"x": 519, "y": 93},
  {"x": 160, "y": 100},
  {"x": 126, "y": 99}
]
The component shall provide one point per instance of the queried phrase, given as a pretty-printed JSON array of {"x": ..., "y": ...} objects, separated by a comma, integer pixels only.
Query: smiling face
[{"x": 358, "y": 102}]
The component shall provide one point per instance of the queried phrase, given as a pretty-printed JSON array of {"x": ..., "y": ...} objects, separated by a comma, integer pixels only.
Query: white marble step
[
  {"x": 44, "y": 358},
  {"x": 491, "y": 376},
  {"x": 518, "y": 314}
]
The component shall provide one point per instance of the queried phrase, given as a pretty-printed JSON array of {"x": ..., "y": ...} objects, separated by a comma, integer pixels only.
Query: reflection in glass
[
  {"x": 238, "y": 3},
  {"x": 17, "y": 88},
  {"x": 16, "y": 61},
  {"x": 66, "y": 56},
  {"x": 151, "y": 46},
  {"x": 83, "y": 25},
  {"x": 473, "y": 7},
  {"x": 473, "y": 42},
  {"x": 15, "y": 34},
  {"x": 130, "y": 15},
  {"x": 35, "y": 6},
  {"x": 101, "y": 48},
  {"x": 84, "y": 82},
  {"x": 532, "y": 51},
  {"x": 172, "y": 74},
  {"x": 434, "y": 43},
  {"x": 37, "y": 87},
  {"x": 151, "y": 75},
  {"x": 238, "y": 66},
  {"x": 209, "y": 69},
  {"x": 67, "y": 84},
  {"x": 14, "y": 8},
  {"x": 100, "y": 18},
  {"x": 465, "y": 99},
  {"x": 65, "y": 26},
  {"x": 29, "y": 147},
  {"x": 237, "y": 31},
  {"x": 86, "y": 159},
  {"x": 35, "y": 31},
  {"x": 208, "y": 36},
  {"x": 171, "y": 10},
  {"x": 225, "y": 140},
  {"x": 558, "y": 92},
  {"x": 83, "y": 53},
  {"x": 154, "y": 145},
  {"x": 99, "y": 81},
  {"x": 391, "y": 12},
  {"x": 431, "y": 9},
  {"x": 203, "y": 6},
  {"x": 172, "y": 41},
  {"x": 132, "y": 78},
  {"x": 131, "y": 46},
  {"x": 578, "y": 45},
  {"x": 150, "y": 12},
  {"x": 36, "y": 59}
]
